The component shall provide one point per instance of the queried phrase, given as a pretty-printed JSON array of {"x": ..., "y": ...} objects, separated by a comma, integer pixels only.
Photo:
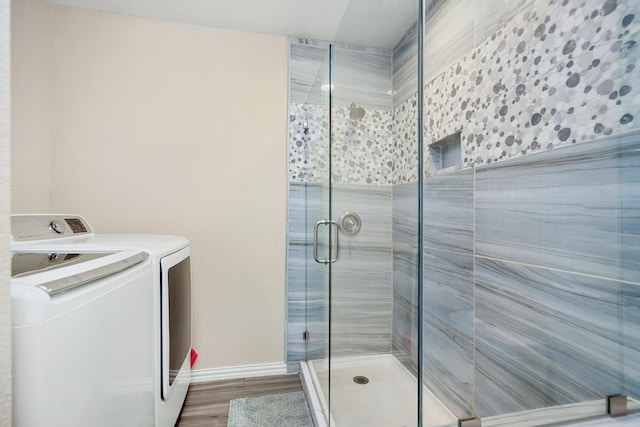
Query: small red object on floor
[{"x": 194, "y": 357}]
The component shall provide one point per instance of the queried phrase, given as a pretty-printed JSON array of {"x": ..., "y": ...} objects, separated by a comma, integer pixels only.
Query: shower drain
[{"x": 360, "y": 380}]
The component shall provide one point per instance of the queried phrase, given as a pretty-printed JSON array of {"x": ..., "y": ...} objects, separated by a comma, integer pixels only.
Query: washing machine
[
  {"x": 82, "y": 339},
  {"x": 170, "y": 284}
]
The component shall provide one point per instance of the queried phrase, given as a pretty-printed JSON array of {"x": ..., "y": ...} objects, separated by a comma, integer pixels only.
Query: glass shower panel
[
  {"x": 308, "y": 280},
  {"x": 373, "y": 296},
  {"x": 531, "y": 280},
  {"x": 320, "y": 234}
]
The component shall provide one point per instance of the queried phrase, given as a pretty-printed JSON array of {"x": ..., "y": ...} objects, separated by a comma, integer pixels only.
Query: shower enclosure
[{"x": 464, "y": 213}]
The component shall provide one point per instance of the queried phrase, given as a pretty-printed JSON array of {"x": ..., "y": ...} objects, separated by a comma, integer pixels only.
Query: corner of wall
[{"x": 5, "y": 168}]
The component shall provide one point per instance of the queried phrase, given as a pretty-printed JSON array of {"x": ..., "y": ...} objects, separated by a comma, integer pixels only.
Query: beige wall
[
  {"x": 5, "y": 300},
  {"x": 159, "y": 127},
  {"x": 31, "y": 105}
]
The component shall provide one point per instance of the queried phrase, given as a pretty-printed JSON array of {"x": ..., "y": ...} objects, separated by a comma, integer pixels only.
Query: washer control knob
[{"x": 57, "y": 227}]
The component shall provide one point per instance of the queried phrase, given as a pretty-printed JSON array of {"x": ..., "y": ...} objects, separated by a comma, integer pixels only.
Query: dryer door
[{"x": 175, "y": 270}]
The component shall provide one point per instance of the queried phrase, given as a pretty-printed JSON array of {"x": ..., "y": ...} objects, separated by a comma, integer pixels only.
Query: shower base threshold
[
  {"x": 392, "y": 401},
  {"x": 389, "y": 399}
]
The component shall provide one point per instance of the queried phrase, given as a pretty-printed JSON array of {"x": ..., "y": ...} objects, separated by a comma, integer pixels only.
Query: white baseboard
[{"x": 233, "y": 372}]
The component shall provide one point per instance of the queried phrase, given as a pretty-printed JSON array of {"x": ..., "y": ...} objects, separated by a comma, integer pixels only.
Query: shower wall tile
[
  {"x": 575, "y": 208},
  {"x": 448, "y": 35},
  {"x": 555, "y": 74},
  {"x": 405, "y": 141},
  {"x": 492, "y": 15},
  {"x": 306, "y": 280},
  {"x": 362, "y": 75},
  {"x": 308, "y": 143},
  {"x": 362, "y": 150},
  {"x": 448, "y": 368},
  {"x": 405, "y": 275},
  {"x": 630, "y": 297},
  {"x": 545, "y": 337},
  {"x": 405, "y": 305},
  {"x": 405, "y": 213},
  {"x": 449, "y": 211},
  {"x": 405, "y": 67},
  {"x": 361, "y": 279},
  {"x": 308, "y": 70},
  {"x": 448, "y": 289}
]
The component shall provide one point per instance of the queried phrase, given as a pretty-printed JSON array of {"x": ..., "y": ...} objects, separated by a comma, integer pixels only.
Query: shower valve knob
[{"x": 350, "y": 223}]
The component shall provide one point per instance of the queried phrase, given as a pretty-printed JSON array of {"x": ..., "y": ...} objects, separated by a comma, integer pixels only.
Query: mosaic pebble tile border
[
  {"x": 559, "y": 73},
  {"x": 362, "y": 151}
]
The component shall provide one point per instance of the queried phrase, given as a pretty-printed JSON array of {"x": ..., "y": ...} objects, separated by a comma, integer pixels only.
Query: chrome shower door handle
[
  {"x": 316, "y": 227},
  {"x": 335, "y": 245},
  {"x": 315, "y": 241}
]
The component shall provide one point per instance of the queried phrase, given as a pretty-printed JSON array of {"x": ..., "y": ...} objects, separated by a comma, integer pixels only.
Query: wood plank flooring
[{"x": 207, "y": 404}]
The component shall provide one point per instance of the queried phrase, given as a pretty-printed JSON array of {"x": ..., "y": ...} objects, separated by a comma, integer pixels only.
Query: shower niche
[{"x": 445, "y": 154}]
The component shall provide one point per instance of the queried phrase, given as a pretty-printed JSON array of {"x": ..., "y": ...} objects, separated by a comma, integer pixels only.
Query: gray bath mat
[{"x": 281, "y": 410}]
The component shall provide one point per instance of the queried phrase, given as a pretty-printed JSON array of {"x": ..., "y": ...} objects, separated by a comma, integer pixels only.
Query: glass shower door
[
  {"x": 373, "y": 295},
  {"x": 312, "y": 150}
]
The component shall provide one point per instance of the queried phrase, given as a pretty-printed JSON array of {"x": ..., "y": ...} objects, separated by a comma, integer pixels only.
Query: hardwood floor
[{"x": 207, "y": 404}]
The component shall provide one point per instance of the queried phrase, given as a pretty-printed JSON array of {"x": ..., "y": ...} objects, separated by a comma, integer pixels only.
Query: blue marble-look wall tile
[
  {"x": 361, "y": 279},
  {"x": 307, "y": 281},
  {"x": 491, "y": 15},
  {"x": 405, "y": 67},
  {"x": 363, "y": 76},
  {"x": 405, "y": 305},
  {"x": 448, "y": 290},
  {"x": 405, "y": 213},
  {"x": 448, "y": 211},
  {"x": 631, "y": 339},
  {"x": 308, "y": 70},
  {"x": 405, "y": 275},
  {"x": 545, "y": 337},
  {"x": 448, "y": 34},
  {"x": 360, "y": 74},
  {"x": 575, "y": 208},
  {"x": 448, "y": 368}
]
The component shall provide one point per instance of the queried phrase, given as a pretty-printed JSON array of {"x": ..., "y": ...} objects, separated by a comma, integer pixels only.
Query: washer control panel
[{"x": 29, "y": 227}]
